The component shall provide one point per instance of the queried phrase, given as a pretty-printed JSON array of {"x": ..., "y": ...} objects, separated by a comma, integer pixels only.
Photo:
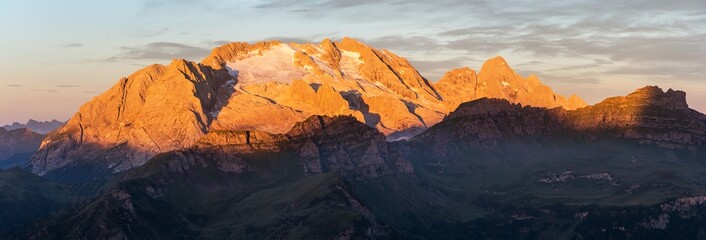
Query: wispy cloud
[
  {"x": 15, "y": 85},
  {"x": 159, "y": 3},
  {"x": 160, "y": 51},
  {"x": 150, "y": 33},
  {"x": 44, "y": 90},
  {"x": 67, "y": 86},
  {"x": 72, "y": 45},
  {"x": 434, "y": 69},
  {"x": 342, "y": 4},
  {"x": 291, "y": 39},
  {"x": 412, "y": 43}
]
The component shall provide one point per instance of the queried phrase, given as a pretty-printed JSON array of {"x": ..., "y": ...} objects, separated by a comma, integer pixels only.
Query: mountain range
[
  {"x": 339, "y": 140},
  {"x": 41, "y": 127},
  {"x": 269, "y": 86}
]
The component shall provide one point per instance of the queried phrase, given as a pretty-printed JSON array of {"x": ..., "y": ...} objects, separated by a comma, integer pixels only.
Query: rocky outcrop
[
  {"x": 321, "y": 144},
  {"x": 649, "y": 116},
  {"x": 485, "y": 121},
  {"x": 497, "y": 80},
  {"x": 457, "y": 86},
  {"x": 342, "y": 144}
]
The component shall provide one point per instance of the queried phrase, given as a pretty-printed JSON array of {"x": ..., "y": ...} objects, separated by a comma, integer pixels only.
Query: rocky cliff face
[
  {"x": 321, "y": 144},
  {"x": 280, "y": 84},
  {"x": 648, "y": 115},
  {"x": 342, "y": 144},
  {"x": 497, "y": 80},
  {"x": 268, "y": 87},
  {"x": 484, "y": 122},
  {"x": 157, "y": 109}
]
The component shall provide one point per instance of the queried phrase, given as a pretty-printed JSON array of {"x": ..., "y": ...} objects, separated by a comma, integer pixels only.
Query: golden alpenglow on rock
[
  {"x": 268, "y": 87},
  {"x": 497, "y": 80}
]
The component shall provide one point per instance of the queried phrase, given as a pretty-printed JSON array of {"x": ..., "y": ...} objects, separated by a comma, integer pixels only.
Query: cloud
[
  {"x": 640, "y": 38},
  {"x": 150, "y": 33},
  {"x": 44, "y": 90},
  {"x": 372, "y": 11},
  {"x": 67, "y": 86},
  {"x": 218, "y": 43},
  {"x": 405, "y": 43},
  {"x": 651, "y": 40},
  {"x": 290, "y": 39},
  {"x": 660, "y": 72},
  {"x": 160, "y": 3},
  {"x": 72, "y": 45},
  {"x": 445, "y": 65},
  {"x": 151, "y": 5},
  {"x": 160, "y": 51},
  {"x": 342, "y": 4},
  {"x": 15, "y": 85},
  {"x": 434, "y": 69}
]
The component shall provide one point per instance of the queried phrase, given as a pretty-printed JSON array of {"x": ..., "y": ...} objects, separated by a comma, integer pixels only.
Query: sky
[{"x": 56, "y": 55}]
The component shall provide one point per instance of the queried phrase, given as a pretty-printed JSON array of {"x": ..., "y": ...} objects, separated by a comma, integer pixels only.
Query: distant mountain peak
[
  {"x": 495, "y": 63},
  {"x": 41, "y": 127}
]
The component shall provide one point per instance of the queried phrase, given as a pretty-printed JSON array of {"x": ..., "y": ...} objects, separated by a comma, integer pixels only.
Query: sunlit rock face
[
  {"x": 279, "y": 84},
  {"x": 157, "y": 109},
  {"x": 497, "y": 80},
  {"x": 268, "y": 87}
]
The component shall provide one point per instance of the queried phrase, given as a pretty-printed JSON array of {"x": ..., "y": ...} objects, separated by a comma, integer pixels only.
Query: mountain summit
[
  {"x": 497, "y": 80},
  {"x": 269, "y": 86}
]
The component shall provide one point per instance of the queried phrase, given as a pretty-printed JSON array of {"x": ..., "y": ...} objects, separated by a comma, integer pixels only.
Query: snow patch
[
  {"x": 349, "y": 64},
  {"x": 505, "y": 83},
  {"x": 276, "y": 64},
  {"x": 353, "y": 55}
]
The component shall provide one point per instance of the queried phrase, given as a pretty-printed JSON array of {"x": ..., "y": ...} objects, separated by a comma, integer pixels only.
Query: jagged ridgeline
[{"x": 268, "y": 87}]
